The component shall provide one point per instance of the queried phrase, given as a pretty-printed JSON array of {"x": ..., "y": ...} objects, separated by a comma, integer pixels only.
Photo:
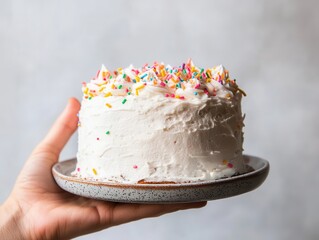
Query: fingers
[
  {"x": 123, "y": 213},
  {"x": 62, "y": 129}
]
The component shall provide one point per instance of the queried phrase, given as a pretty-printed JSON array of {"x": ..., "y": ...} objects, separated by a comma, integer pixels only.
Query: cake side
[{"x": 158, "y": 133}]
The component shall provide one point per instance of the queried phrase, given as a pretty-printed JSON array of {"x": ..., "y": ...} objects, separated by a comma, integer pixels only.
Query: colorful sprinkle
[
  {"x": 108, "y": 105},
  {"x": 107, "y": 132},
  {"x": 94, "y": 171},
  {"x": 124, "y": 101},
  {"x": 135, "y": 166}
]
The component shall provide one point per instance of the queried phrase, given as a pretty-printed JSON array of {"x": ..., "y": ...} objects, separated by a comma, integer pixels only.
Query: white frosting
[
  {"x": 159, "y": 139},
  {"x": 154, "y": 126}
]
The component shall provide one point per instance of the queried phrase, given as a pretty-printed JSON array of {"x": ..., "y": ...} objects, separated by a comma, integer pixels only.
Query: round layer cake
[{"x": 159, "y": 124}]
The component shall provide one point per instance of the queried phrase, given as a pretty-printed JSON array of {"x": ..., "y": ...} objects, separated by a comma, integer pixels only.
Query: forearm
[{"x": 11, "y": 224}]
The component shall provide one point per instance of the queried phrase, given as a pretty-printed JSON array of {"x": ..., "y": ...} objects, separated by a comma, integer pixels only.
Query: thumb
[{"x": 60, "y": 132}]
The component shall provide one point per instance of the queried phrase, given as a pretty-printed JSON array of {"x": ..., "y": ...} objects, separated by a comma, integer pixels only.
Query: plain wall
[{"x": 47, "y": 48}]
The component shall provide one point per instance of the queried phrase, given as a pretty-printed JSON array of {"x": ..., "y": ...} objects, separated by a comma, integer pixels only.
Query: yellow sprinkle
[
  {"x": 163, "y": 73},
  {"x": 104, "y": 74},
  {"x": 85, "y": 91},
  {"x": 91, "y": 95},
  {"x": 138, "y": 88},
  {"x": 137, "y": 78},
  {"x": 101, "y": 89},
  {"x": 108, "y": 94},
  {"x": 183, "y": 87},
  {"x": 225, "y": 162},
  {"x": 208, "y": 80},
  {"x": 176, "y": 96},
  {"x": 94, "y": 171},
  {"x": 108, "y": 105},
  {"x": 113, "y": 86},
  {"x": 155, "y": 82}
]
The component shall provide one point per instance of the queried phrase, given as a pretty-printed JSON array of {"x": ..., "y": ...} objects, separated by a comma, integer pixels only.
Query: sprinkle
[
  {"x": 108, "y": 94},
  {"x": 135, "y": 166},
  {"x": 94, "y": 171},
  {"x": 124, "y": 75},
  {"x": 119, "y": 87},
  {"x": 225, "y": 162},
  {"x": 78, "y": 169},
  {"x": 195, "y": 93},
  {"x": 107, "y": 132},
  {"x": 182, "y": 97},
  {"x": 98, "y": 139},
  {"x": 230, "y": 165},
  {"x": 124, "y": 101},
  {"x": 162, "y": 84},
  {"x": 108, "y": 105},
  {"x": 166, "y": 95},
  {"x": 144, "y": 75}
]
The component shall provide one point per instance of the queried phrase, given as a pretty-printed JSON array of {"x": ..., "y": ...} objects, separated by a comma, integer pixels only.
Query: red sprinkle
[
  {"x": 166, "y": 95},
  {"x": 135, "y": 166},
  {"x": 230, "y": 165},
  {"x": 98, "y": 139},
  {"x": 162, "y": 84}
]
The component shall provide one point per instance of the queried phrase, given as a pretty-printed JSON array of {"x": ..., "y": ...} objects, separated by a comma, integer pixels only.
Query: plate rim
[{"x": 264, "y": 169}]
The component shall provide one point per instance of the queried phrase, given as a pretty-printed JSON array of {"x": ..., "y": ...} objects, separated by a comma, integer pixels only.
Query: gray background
[{"x": 47, "y": 48}]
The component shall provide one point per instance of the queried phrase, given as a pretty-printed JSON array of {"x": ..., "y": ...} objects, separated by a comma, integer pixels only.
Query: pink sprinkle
[
  {"x": 166, "y": 95},
  {"x": 98, "y": 139},
  {"x": 197, "y": 86},
  {"x": 97, "y": 74},
  {"x": 172, "y": 95},
  {"x": 135, "y": 166},
  {"x": 162, "y": 84},
  {"x": 230, "y": 165},
  {"x": 182, "y": 97},
  {"x": 84, "y": 83},
  {"x": 78, "y": 169},
  {"x": 169, "y": 77},
  {"x": 205, "y": 91}
]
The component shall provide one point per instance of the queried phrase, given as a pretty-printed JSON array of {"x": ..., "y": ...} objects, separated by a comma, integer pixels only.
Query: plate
[{"x": 162, "y": 193}]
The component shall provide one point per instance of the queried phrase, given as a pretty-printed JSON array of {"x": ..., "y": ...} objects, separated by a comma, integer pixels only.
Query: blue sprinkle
[
  {"x": 195, "y": 93},
  {"x": 144, "y": 75}
]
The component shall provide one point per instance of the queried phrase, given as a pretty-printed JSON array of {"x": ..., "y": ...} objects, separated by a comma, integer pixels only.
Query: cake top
[{"x": 184, "y": 82}]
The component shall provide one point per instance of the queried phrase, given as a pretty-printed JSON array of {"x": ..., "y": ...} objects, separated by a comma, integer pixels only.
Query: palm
[{"x": 53, "y": 213}]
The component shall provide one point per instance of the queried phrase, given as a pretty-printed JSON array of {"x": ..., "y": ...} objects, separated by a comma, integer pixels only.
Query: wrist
[{"x": 11, "y": 221}]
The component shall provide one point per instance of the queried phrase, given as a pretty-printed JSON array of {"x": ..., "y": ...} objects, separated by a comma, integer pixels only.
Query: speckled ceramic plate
[{"x": 162, "y": 193}]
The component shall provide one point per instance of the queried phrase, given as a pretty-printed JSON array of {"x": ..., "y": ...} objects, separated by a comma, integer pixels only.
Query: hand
[{"x": 38, "y": 209}]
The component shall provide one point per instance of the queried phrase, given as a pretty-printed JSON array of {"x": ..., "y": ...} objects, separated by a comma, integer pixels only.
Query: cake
[{"x": 160, "y": 124}]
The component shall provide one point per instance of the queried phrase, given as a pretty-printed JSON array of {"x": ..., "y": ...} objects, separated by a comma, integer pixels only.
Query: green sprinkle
[
  {"x": 124, "y": 75},
  {"x": 111, "y": 77},
  {"x": 124, "y": 101},
  {"x": 129, "y": 93},
  {"x": 90, "y": 98},
  {"x": 119, "y": 87},
  {"x": 202, "y": 70},
  {"x": 107, "y": 132},
  {"x": 184, "y": 71}
]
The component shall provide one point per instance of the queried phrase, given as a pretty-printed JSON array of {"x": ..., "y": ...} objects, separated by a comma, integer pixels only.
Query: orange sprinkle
[{"x": 225, "y": 162}]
